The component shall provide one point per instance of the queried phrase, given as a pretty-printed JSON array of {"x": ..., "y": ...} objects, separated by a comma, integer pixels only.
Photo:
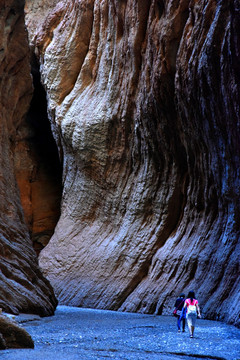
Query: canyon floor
[{"x": 76, "y": 333}]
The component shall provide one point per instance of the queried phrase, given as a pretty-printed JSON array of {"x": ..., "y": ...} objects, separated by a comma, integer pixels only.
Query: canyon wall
[
  {"x": 143, "y": 99},
  {"x": 23, "y": 287}
]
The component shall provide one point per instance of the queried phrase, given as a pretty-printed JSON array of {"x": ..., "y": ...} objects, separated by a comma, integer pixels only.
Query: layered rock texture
[
  {"x": 22, "y": 285},
  {"x": 143, "y": 99}
]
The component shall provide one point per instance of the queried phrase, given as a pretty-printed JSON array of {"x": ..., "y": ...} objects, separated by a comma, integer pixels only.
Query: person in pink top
[{"x": 193, "y": 311}]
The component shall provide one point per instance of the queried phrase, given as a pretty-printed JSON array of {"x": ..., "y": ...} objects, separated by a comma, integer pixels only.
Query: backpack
[{"x": 192, "y": 308}]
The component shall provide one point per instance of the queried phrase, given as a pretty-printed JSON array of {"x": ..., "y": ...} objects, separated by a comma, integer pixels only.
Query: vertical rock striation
[
  {"x": 143, "y": 98},
  {"x": 23, "y": 287}
]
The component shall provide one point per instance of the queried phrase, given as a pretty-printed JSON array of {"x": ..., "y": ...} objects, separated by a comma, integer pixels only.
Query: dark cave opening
[{"x": 40, "y": 178}]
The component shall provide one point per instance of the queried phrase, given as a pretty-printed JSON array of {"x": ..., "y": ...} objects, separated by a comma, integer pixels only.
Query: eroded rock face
[
  {"x": 143, "y": 98},
  {"x": 23, "y": 287}
]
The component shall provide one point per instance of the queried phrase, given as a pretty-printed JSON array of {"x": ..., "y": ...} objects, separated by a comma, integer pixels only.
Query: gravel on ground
[{"x": 76, "y": 333}]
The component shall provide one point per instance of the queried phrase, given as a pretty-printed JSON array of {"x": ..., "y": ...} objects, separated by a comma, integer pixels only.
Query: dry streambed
[{"x": 75, "y": 333}]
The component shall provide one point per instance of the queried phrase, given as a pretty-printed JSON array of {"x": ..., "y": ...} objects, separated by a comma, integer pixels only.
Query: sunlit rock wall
[
  {"x": 22, "y": 286},
  {"x": 143, "y": 98}
]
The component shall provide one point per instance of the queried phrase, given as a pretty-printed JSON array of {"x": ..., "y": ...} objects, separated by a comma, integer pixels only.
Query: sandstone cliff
[
  {"x": 22, "y": 286},
  {"x": 143, "y": 98}
]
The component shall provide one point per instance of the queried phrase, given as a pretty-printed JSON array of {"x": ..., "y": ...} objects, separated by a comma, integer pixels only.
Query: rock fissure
[{"x": 38, "y": 169}]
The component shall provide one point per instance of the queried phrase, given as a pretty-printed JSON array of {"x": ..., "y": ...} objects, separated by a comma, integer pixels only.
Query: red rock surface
[
  {"x": 23, "y": 287},
  {"x": 143, "y": 98}
]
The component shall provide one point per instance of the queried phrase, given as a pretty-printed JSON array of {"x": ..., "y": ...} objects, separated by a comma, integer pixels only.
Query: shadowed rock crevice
[{"x": 38, "y": 168}]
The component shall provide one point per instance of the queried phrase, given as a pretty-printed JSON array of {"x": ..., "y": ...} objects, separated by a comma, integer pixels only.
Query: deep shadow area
[
  {"x": 37, "y": 118},
  {"x": 38, "y": 168},
  {"x": 46, "y": 152}
]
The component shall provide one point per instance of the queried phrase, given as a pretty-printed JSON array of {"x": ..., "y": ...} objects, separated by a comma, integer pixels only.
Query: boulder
[{"x": 13, "y": 335}]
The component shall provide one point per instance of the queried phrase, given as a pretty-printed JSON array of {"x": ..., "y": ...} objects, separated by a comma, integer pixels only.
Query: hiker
[
  {"x": 179, "y": 312},
  {"x": 193, "y": 311}
]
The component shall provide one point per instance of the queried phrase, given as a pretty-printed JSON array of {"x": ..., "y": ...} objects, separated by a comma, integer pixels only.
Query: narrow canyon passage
[{"x": 143, "y": 99}]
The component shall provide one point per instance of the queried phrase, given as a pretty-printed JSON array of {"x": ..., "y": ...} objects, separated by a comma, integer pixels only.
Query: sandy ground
[{"x": 75, "y": 334}]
